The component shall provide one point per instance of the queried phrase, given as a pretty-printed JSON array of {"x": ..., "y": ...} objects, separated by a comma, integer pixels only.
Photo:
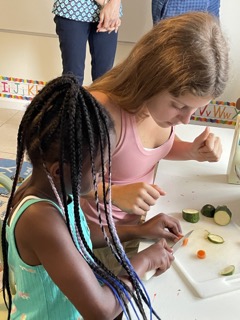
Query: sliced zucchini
[
  {"x": 215, "y": 238},
  {"x": 208, "y": 210},
  {"x": 222, "y": 215},
  {"x": 190, "y": 215},
  {"x": 228, "y": 271}
]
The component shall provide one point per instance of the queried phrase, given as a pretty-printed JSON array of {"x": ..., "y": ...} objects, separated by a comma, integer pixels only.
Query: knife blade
[
  {"x": 178, "y": 244},
  {"x": 175, "y": 247}
]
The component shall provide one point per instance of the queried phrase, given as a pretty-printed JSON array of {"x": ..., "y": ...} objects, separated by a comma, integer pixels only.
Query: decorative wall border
[
  {"x": 216, "y": 113},
  {"x": 20, "y": 89}
]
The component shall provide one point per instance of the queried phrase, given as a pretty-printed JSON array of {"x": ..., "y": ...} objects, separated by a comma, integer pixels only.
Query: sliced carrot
[
  {"x": 201, "y": 254},
  {"x": 185, "y": 242}
]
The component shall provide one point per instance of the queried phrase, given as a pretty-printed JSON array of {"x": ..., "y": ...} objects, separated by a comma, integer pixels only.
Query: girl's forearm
[
  {"x": 125, "y": 233},
  {"x": 181, "y": 150}
]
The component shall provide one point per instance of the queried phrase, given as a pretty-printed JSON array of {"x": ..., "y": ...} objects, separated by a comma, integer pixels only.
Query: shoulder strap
[{"x": 24, "y": 204}]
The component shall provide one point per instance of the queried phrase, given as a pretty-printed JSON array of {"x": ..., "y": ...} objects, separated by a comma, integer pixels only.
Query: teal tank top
[{"x": 37, "y": 297}]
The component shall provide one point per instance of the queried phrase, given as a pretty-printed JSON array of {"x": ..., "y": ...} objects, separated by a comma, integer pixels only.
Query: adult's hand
[{"x": 109, "y": 17}]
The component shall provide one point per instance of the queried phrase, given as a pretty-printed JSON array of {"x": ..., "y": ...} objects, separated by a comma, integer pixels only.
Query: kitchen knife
[
  {"x": 178, "y": 244},
  {"x": 175, "y": 247}
]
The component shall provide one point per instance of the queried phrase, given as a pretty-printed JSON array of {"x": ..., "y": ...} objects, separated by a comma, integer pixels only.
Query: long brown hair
[{"x": 186, "y": 53}]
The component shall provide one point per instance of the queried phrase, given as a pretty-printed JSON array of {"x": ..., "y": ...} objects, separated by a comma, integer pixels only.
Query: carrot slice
[
  {"x": 185, "y": 242},
  {"x": 201, "y": 254}
]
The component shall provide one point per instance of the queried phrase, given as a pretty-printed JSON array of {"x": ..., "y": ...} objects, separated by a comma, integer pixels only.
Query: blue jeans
[{"x": 73, "y": 37}]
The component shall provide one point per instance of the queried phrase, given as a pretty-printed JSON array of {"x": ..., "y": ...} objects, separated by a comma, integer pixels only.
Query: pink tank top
[{"x": 131, "y": 163}]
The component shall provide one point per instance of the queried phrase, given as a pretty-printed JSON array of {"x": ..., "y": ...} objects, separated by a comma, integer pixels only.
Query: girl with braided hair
[{"x": 68, "y": 137}]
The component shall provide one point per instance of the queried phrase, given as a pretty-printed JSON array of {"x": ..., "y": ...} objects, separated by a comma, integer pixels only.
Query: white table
[{"x": 193, "y": 184}]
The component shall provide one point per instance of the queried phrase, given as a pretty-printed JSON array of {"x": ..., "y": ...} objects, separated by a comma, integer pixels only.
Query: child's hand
[
  {"x": 206, "y": 147},
  {"x": 160, "y": 257},
  {"x": 161, "y": 226},
  {"x": 157, "y": 257},
  {"x": 136, "y": 198}
]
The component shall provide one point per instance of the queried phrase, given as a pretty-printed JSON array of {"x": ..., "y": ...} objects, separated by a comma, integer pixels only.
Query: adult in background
[
  {"x": 81, "y": 21},
  {"x": 162, "y": 9}
]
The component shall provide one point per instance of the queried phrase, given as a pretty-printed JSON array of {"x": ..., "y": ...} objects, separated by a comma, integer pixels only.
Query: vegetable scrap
[
  {"x": 221, "y": 215},
  {"x": 185, "y": 242},
  {"x": 228, "y": 271},
  {"x": 190, "y": 215},
  {"x": 154, "y": 296},
  {"x": 208, "y": 210},
  {"x": 214, "y": 238},
  {"x": 201, "y": 254}
]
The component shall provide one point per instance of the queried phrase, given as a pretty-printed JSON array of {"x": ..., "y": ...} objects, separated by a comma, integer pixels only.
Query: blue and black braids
[{"x": 65, "y": 123}]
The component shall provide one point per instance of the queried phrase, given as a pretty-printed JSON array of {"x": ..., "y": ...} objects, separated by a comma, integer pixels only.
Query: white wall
[
  {"x": 37, "y": 57},
  {"x": 231, "y": 25}
]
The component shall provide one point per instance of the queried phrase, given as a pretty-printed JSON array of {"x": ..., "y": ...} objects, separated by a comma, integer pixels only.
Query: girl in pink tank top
[
  {"x": 131, "y": 163},
  {"x": 176, "y": 68}
]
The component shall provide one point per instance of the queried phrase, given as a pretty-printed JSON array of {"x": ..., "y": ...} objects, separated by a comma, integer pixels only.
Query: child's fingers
[{"x": 161, "y": 191}]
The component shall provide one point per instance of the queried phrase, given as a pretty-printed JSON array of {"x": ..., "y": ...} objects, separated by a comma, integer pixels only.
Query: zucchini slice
[
  {"x": 228, "y": 271},
  {"x": 208, "y": 210},
  {"x": 215, "y": 238},
  {"x": 222, "y": 215},
  {"x": 190, "y": 215}
]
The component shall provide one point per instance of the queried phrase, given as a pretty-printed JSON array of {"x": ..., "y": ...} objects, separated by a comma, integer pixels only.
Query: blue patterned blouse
[{"x": 78, "y": 10}]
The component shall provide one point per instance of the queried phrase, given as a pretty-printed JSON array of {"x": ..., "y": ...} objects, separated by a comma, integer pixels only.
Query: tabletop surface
[{"x": 191, "y": 184}]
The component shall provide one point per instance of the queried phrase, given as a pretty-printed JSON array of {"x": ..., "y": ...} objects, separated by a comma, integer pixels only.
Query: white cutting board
[{"x": 203, "y": 274}]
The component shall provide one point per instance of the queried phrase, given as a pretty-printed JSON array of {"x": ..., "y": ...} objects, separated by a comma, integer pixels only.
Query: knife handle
[{"x": 148, "y": 275}]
